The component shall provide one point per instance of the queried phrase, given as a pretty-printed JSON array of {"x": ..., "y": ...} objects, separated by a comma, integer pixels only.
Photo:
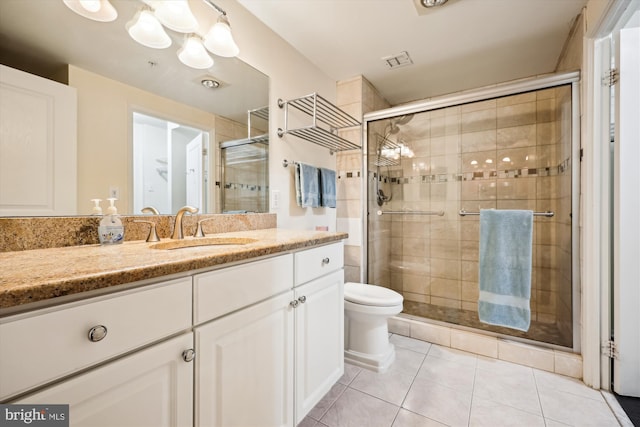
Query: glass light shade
[
  {"x": 194, "y": 55},
  {"x": 147, "y": 30},
  {"x": 96, "y": 10},
  {"x": 176, "y": 15},
  {"x": 219, "y": 39}
]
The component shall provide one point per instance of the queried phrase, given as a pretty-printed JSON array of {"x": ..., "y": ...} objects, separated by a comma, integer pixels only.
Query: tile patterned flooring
[{"x": 429, "y": 385}]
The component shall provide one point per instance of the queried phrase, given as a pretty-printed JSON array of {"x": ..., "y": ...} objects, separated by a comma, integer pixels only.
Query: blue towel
[
  {"x": 506, "y": 238},
  {"x": 309, "y": 185},
  {"x": 328, "y": 185}
]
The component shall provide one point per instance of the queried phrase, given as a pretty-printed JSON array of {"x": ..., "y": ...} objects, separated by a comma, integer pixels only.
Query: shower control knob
[
  {"x": 294, "y": 303},
  {"x": 302, "y": 299}
]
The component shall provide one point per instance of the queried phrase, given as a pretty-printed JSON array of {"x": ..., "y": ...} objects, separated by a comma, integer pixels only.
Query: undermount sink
[{"x": 203, "y": 241}]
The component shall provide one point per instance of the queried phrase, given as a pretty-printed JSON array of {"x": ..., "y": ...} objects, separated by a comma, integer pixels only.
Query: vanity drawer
[
  {"x": 47, "y": 344},
  {"x": 222, "y": 291},
  {"x": 317, "y": 262}
]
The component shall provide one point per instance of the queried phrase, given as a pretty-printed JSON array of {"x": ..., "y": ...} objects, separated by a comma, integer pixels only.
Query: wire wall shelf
[
  {"x": 385, "y": 144},
  {"x": 326, "y": 121},
  {"x": 261, "y": 113}
]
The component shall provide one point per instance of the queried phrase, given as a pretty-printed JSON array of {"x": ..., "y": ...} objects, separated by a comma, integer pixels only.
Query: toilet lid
[{"x": 360, "y": 293}]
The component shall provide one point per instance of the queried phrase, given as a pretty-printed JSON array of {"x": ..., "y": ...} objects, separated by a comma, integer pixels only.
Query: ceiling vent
[{"x": 396, "y": 61}]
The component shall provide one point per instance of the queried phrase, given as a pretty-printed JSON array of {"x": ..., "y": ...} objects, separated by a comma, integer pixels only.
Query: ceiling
[
  {"x": 42, "y": 36},
  {"x": 461, "y": 45}
]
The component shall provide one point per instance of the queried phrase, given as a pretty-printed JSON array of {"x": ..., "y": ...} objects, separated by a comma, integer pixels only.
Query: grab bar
[
  {"x": 439, "y": 213},
  {"x": 547, "y": 213}
]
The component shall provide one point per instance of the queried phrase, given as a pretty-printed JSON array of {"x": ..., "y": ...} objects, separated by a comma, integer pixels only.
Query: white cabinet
[
  {"x": 38, "y": 127},
  {"x": 81, "y": 334},
  {"x": 244, "y": 367},
  {"x": 268, "y": 340},
  {"x": 153, "y": 387},
  {"x": 248, "y": 360},
  {"x": 319, "y": 339},
  {"x": 319, "y": 324}
]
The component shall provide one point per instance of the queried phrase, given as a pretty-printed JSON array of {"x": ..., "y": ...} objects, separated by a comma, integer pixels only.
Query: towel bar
[
  {"x": 547, "y": 213},
  {"x": 439, "y": 213}
]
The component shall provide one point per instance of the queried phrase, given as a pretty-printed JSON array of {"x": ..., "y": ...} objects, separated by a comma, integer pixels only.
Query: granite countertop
[{"x": 41, "y": 274}]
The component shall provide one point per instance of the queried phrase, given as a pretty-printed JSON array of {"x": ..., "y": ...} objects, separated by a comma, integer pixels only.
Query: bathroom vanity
[{"x": 246, "y": 334}]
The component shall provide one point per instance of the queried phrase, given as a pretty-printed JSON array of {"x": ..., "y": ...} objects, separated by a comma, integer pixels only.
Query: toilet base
[{"x": 378, "y": 363}]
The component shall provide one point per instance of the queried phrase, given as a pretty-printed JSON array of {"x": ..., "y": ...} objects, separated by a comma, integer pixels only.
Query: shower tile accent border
[{"x": 551, "y": 360}]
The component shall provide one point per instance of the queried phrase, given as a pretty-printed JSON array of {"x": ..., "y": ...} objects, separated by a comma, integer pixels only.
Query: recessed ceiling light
[
  {"x": 210, "y": 83},
  {"x": 432, "y": 3}
]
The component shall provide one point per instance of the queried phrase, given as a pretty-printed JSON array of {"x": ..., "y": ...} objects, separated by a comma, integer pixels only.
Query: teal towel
[
  {"x": 309, "y": 177},
  {"x": 328, "y": 185},
  {"x": 506, "y": 238}
]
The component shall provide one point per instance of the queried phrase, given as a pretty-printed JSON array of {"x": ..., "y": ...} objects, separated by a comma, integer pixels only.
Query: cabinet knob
[
  {"x": 294, "y": 303},
  {"x": 326, "y": 260},
  {"x": 302, "y": 299},
  {"x": 188, "y": 355},
  {"x": 97, "y": 333}
]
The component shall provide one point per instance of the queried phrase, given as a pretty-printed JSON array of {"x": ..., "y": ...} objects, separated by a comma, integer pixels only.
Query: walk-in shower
[{"x": 432, "y": 165}]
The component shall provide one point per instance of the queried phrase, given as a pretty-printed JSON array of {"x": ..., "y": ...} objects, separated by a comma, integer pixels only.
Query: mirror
[{"x": 115, "y": 77}]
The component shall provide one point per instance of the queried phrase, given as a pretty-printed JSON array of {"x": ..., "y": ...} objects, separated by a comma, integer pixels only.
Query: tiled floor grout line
[
  {"x": 424, "y": 358},
  {"x": 535, "y": 382},
  {"x": 473, "y": 389}
]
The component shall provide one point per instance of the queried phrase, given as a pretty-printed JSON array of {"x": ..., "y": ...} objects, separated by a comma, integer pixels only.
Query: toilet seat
[{"x": 371, "y": 295}]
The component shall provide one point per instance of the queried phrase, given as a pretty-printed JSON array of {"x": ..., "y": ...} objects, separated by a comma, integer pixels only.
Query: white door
[
  {"x": 38, "y": 134},
  {"x": 244, "y": 367},
  {"x": 319, "y": 339},
  {"x": 194, "y": 173},
  {"x": 626, "y": 241},
  {"x": 153, "y": 387}
]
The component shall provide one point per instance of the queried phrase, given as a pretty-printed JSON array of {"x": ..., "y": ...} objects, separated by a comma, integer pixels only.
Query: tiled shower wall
[
  {"x": 245, "y": 186},
  {"x": 507, "y": 153},
  {"x": 355, "y": 96}
]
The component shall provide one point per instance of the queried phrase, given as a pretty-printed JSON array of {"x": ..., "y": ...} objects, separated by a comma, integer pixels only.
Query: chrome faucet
[{"x": 177, "y": 226}]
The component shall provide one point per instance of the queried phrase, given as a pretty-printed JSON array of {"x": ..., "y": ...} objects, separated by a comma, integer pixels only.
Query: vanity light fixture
[
  {"x": 176, "y": 15},
  {"x": 193, "y": 54},
  {"x": 96, "y": 10},
  {"x": 219, "y": 39},
  {"x": 147, "y": 30}
]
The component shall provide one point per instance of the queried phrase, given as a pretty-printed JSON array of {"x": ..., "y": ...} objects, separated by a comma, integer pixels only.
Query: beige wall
[
  {"x": 104, "y": 133},
  {"x": 356, "y": 96},
  {"x": 290, "y": 76},
  {"x": 103, "y": 158}
]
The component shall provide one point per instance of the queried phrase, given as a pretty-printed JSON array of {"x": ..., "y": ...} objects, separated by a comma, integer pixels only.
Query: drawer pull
[
  {"x": 188, "y": 355},
  {"x": 97, "y": 333},
  {"x": 326, "y": 260},
  {"x": 294, "y": 303},
  {"x": 302, "y": 299}
]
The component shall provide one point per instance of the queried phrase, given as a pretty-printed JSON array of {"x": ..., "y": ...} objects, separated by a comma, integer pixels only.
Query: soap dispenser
[
  {"x": 97, "y": 210},
  {"x": 111, "y": 229}
]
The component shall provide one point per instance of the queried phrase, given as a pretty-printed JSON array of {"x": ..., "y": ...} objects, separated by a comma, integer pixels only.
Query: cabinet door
[
  {"x": 319, "y": 339},
  {"x": 153, "y": 387},
  {"x": 37, "y": 145},
  {"x": 244, "y": 368}
]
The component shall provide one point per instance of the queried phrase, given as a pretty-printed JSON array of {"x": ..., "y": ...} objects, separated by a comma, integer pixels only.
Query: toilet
[{"x": 367, "y": 309}]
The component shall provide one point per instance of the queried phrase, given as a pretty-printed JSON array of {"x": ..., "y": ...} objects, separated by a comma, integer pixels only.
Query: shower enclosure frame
[{"x": 483, "y": 94}]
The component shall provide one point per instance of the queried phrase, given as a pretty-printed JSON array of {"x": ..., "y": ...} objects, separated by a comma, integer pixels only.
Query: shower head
[{"x": 396, "y": 122}]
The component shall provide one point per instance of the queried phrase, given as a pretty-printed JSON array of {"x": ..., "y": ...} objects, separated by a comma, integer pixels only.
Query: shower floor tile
[
  {"x": 538, "y": 331},
  {"x": 429, "y": 385}
]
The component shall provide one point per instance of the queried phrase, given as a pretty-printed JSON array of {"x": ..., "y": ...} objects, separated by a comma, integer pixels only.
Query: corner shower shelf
[{"x": 322, "y": 112}]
